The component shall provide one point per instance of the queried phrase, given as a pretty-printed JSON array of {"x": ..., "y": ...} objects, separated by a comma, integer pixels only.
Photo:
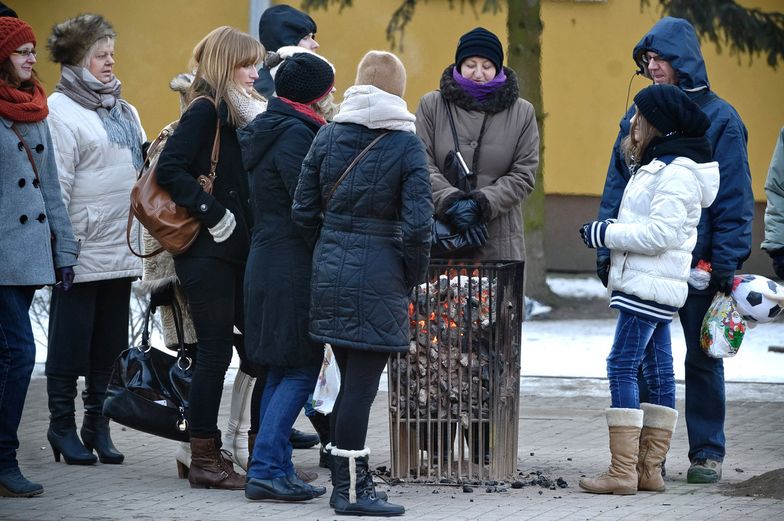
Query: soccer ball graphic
[{"x": 758, "y": 298}]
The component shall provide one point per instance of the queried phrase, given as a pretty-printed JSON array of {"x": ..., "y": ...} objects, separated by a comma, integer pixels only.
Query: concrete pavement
[{"x": 562, "y": 434}]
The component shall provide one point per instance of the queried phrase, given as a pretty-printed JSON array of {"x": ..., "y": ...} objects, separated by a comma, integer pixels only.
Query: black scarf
[{"x": 698, "y": 149}]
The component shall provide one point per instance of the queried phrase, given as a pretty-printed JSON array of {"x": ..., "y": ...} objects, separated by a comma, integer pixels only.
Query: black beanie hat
[
  {"x": 282, "y": 25},
  {"x": 483, "y": 43},
  {"x": 304, "y": 77},
  {"x": 670, "y": 110}
]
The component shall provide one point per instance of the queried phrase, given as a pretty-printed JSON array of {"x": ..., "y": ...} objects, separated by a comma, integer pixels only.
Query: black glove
[
  {"x": 162, "y": 295},
  {"x": 722, "y": 280},
  {"x": 778, "y": 264},
  {"x": 65, "y": 278},
  {"x": 592, "y": 233},
  {"x": 603, "y": 268},
  {"x": 464, "y": 213},
  {"x": 476, "y": 236}
]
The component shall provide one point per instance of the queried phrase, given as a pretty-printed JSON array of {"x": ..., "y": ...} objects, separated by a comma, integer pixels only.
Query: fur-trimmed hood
[
  {"x": 496, "y": 102},
  {"x": 70, "y": 40}
]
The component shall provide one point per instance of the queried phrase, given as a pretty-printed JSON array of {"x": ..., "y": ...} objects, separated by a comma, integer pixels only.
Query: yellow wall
[{"x": 586, "y": 65}]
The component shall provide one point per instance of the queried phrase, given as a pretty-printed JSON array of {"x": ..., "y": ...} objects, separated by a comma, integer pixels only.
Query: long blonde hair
[
  {"x": 632, "y": 148},
  {"x": 214, "y": 60}
]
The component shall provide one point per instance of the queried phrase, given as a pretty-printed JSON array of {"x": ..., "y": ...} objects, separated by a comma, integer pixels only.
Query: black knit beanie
[
  {"x": 480, "y": 42},
  {"x": 304, "y": 78},
  {"x": 670, "y": 111},
  {"x": 282, "y": 25}
]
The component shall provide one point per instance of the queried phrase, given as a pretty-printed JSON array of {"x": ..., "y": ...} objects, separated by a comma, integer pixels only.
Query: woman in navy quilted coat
[{"x": 372, "y": 247}]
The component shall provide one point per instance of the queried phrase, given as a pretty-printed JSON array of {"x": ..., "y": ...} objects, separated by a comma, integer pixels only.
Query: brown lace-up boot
[{"x": 210, "y": 469}]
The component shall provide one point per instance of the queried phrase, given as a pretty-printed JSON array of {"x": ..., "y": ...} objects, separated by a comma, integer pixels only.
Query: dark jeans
[
  {"x": 88, "y": 327},
  {"x": 705, "y": 400},
  {"x": 17, "y": 357},
  {"x": 359, "y": 375},
  {"x": 214, "y": 291},
  {"x": 641, "y": 341},
  {"x": 284, "y": 395}
]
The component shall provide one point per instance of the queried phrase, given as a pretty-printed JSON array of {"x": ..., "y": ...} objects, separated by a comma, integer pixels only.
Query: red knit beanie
[{"x": 13, "y": 33}]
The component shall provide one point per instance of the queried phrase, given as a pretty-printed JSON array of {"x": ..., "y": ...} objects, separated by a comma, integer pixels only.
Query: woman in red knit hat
[{"x": 37, "y": 244}]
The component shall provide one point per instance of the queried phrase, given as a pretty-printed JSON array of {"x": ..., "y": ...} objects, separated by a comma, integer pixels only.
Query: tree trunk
[{"x": 524, "y": 23}]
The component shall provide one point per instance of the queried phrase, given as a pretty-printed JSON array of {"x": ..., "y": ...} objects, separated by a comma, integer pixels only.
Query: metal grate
[{"x": 453, "y": 398}]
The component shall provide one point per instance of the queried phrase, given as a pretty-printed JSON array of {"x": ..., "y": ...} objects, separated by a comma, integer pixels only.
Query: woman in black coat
[
  {"x": 373, "y": 247},
  {"x": 277, "y": 277},
  {"x": 211, "y": 270}
]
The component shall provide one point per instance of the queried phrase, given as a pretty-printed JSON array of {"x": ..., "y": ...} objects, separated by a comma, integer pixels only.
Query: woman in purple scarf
[{"x": 498, "y": 145}]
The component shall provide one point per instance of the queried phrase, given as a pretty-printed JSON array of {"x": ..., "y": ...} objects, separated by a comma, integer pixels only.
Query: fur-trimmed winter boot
[
  {"x": 353, "y": 492},
  {"x": 235, "y": 437},
  {"x": 621, "y": 478},
  {"x": 658, "y": 423}
]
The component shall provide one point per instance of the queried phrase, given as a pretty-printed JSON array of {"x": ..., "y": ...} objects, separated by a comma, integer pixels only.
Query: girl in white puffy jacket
[{"x": 651, "y": 242}]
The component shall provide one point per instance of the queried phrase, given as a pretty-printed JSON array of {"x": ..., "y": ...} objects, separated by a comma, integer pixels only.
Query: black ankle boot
[
  {"x": 96, "y": 436},
  {"x": 95, "y": 427},
  {"x": 355, "y": 495},
  {"x": 62, "y": 425}
]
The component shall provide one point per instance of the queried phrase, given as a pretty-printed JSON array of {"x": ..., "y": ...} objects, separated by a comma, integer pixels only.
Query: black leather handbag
[{"x": 148, "y": 390}]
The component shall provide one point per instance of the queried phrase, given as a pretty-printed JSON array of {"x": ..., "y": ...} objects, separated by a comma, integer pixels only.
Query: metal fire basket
[{"x": 453, "y": 398}]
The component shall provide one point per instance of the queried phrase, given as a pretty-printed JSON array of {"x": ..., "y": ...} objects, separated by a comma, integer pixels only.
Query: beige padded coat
[{"x": 506, "y": 166}]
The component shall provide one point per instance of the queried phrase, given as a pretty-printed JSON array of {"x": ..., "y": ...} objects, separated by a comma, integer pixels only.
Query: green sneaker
[{"x": 704, "y": 471}]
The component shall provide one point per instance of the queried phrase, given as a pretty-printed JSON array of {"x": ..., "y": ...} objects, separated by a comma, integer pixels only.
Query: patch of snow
[{"x": 577, "y": 287}]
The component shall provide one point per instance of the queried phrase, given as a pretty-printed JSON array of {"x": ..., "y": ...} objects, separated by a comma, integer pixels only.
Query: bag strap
[
  {"x": 215, "y": 154},
  {"x": 27, "y": 149},
  {"x": 353, "y": 163},
  {"x": 460, "y": 161}
]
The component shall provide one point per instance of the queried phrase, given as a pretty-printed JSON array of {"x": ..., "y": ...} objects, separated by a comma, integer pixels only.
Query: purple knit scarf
[{"x": 480, "y": 91}]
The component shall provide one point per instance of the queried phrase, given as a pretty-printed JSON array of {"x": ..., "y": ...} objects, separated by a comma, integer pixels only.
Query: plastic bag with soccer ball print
[{"x": 723, "y": 328}]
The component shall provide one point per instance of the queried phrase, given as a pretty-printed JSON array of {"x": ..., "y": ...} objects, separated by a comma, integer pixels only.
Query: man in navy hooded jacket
[{"x": 670, "y": 53}]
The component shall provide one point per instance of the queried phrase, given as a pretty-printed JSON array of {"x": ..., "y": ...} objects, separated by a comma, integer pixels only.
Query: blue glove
[
  {"x": 464, "y": 214},
  {"x": 65, "y": 278},
  {"x": 476, "y": 236},
  {"x": 592, "y": 233},
  {"x": 722, "y": 280}
]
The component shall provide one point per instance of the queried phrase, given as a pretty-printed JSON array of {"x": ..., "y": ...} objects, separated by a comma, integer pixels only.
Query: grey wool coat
[
  {"x": 506, "y": 166},
  {"x": 35, "y": 231}
]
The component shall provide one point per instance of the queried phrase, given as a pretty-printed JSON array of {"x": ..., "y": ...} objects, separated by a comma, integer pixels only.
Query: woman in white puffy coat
[
  {"x": 651, "y": 242},
  {"x": 97, "y": 138}
]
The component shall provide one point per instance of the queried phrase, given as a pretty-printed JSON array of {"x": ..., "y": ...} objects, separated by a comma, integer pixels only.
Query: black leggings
[
  {"x": 359, "y": 373},
  {"x": 214, "y": 291}
]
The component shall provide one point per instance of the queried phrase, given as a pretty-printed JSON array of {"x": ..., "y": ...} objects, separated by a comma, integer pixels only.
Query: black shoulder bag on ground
[
  {"x": 149, "y": 389},
  {"x": 446, "y": 241}
]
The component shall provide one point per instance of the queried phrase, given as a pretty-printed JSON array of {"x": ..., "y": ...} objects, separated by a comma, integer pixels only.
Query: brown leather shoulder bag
[{"x": 170, "y": 224}]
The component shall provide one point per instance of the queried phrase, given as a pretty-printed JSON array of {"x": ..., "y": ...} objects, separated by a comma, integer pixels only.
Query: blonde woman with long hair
[{"x": 211, "y": 271}]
